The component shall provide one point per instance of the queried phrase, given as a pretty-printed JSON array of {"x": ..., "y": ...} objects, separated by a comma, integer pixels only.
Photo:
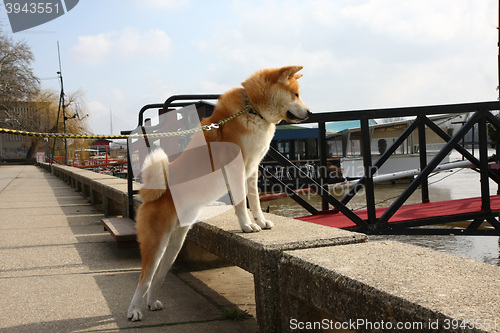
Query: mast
[
  {"x": 111, "y": 120},
  {"x": 61, "y": 106}
]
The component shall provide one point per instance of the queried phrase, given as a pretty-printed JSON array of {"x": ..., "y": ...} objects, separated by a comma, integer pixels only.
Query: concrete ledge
[
  {"x": 222, "y": 236},
  {"x": 259, "y": 253},
  {"x": 389, "y": 282},
  {"x": 106, "y": 191}
]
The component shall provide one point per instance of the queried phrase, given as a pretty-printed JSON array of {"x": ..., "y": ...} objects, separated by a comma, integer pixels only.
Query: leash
[{"x": 248, "y": 108}]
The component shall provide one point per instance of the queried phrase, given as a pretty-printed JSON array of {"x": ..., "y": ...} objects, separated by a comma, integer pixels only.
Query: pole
[
  {"x": 110, "y": 120},
  {"x": 323, "y": 152},
  {"x": 61, "y": 103}
]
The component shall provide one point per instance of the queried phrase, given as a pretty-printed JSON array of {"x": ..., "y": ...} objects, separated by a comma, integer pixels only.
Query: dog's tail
[{"x": 154, "y": 175}]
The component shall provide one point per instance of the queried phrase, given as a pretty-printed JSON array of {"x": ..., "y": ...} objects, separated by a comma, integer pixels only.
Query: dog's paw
[
  {"x": 155, "y": 306},
  {"x": 134, "y": 315},
  {"x": 251, "y": 227},
  {"x": 265, "y": 224}
]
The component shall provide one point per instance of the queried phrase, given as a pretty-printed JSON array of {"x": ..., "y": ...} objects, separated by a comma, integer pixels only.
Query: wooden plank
[{"x": 122, "y": 229}]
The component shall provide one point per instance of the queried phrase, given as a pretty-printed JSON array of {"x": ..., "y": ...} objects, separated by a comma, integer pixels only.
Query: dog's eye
[{"x": 297, "y": 95}]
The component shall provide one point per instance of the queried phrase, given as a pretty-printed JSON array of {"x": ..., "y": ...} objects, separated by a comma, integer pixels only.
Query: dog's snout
[
  {"x": 308, "y": 114},
  {"x": 294, "y": 118}
]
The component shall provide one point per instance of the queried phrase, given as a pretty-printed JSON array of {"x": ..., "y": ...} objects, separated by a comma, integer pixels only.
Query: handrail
[
  {"x": 401, "y": 112},
  {"x": 379, "y": 224},
  {"x": 169, "y": 102},
  {"x": 373, "y": 224}
]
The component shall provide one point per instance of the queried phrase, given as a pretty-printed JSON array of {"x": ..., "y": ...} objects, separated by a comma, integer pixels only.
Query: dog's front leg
[
  {"x": 236, "y": 181},
  {"x": 254, "y": 202},
  {"x": 240, "y": 207},
  {"x": 244, "y": 219}
]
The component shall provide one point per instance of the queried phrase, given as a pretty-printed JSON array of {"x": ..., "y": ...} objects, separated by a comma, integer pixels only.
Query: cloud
[
  {"x": 124, "y": 45},
  {"x": 158, "y": 91},
  {"x": 163, "y": 4},
  {"x": 356, "y": 53},
  {"x": 92, "y": 50},
  {"x": 363, "y": 53},
  {"x": 99, "y": 115},
  {"x": 210, "y": 87},
  {"x": 421, "y": 22},
  {"x": 116, "y": 95}
]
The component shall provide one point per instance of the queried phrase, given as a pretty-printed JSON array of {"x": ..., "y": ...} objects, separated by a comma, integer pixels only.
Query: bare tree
[
  {"x": 24, "y": 106},
  {"x": 18, "y": 83},
  {"x": 46, "y": 102}
]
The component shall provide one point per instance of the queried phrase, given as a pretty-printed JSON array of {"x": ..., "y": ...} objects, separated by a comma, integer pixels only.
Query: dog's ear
[{"x": 286, "y": 73}]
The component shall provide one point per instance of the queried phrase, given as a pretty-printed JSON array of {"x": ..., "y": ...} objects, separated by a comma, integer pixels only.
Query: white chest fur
[{"x": 256, "y": 144}]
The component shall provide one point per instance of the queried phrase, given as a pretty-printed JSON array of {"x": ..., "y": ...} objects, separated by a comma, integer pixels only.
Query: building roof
[
  {"x": 339, "y": 126},
  {"x": 294, "y": 132}
]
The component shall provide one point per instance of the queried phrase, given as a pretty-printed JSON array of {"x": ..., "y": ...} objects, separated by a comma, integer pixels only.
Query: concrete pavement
[{"x": 61, "y": 272}]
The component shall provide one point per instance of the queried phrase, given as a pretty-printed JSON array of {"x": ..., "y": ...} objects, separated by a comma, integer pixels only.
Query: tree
[
  {"x": 46, "y": 102},
  {"x": 18, "y": 83},
  {"x": 25, "y": 106}
]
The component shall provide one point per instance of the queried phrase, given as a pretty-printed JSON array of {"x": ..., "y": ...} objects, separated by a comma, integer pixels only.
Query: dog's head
[{"x": 275, "y": 94}]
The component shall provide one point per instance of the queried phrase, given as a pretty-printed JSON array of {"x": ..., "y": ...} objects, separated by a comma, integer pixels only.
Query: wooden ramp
[
  {"x": 122, "y": 229},
  {"x": 411, "y": 212}
]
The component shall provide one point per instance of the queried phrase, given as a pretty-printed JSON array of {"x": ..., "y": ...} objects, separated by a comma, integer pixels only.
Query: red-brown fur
[{"x": 157, "y": 216}]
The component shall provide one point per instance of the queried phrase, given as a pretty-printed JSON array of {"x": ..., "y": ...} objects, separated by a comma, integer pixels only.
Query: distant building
[
  {"x": 16, "y": 148},
  {"x": 296, "y": 143},
  {"x": 100, "y": 146}
]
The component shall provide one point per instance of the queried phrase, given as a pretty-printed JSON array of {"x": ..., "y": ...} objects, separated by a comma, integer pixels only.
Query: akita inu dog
[{"x": 271, "y": 95}]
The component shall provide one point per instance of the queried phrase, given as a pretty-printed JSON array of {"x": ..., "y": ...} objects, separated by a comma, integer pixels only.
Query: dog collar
[
  {"x": 250, "y": 108},
  {"x": 253, "y": 111}
]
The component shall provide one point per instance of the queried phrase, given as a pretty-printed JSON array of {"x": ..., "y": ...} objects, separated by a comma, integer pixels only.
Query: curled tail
[{"x": 154, "y": 175}]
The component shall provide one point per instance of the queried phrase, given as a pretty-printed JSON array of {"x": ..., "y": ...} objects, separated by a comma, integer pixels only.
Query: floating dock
[{"x": 439, "y": 211}]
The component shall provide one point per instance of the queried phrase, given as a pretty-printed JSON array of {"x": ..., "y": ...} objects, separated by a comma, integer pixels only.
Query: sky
[{"x": 357, "y": 54}]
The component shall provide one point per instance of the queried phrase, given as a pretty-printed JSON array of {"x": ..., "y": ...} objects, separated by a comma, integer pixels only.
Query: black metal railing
[
  {"x": 172, "y": 103},
  {"x": 481, "y": 116}
]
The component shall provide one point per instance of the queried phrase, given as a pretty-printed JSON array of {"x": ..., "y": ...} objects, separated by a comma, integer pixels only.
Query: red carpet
[{"x": 407, "y": 212}]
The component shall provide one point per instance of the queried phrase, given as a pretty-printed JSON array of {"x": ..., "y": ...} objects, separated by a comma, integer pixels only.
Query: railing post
[
  {"x": 130, "y": 185},
  {"x": 422, "y": 149},
  {"x": 369, "y": 170},
  {"x": 323, "y": 151},
  {"x": 483, "y": 160}
]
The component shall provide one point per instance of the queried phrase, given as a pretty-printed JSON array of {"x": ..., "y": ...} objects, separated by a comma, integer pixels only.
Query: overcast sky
[{"x": 356, "y": 53}]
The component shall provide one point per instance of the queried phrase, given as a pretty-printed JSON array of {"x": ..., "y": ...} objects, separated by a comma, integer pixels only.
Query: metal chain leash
[{"x": 126, "y": 136}]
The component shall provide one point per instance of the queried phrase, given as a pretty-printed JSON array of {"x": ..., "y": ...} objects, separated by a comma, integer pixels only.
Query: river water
[{"x": 447, "y": 185}]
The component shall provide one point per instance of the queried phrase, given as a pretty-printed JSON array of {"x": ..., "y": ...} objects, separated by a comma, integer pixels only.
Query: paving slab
[
  {"x": 13, "y": 221},
  {"x": 61, "y": 272},
  {"x": 53, "y": 302},
  {"x": 226, "y": 286}
]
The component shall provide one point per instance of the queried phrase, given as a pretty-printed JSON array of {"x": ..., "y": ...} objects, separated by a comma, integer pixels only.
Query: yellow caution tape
[{"x": 125, "y": 136}]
